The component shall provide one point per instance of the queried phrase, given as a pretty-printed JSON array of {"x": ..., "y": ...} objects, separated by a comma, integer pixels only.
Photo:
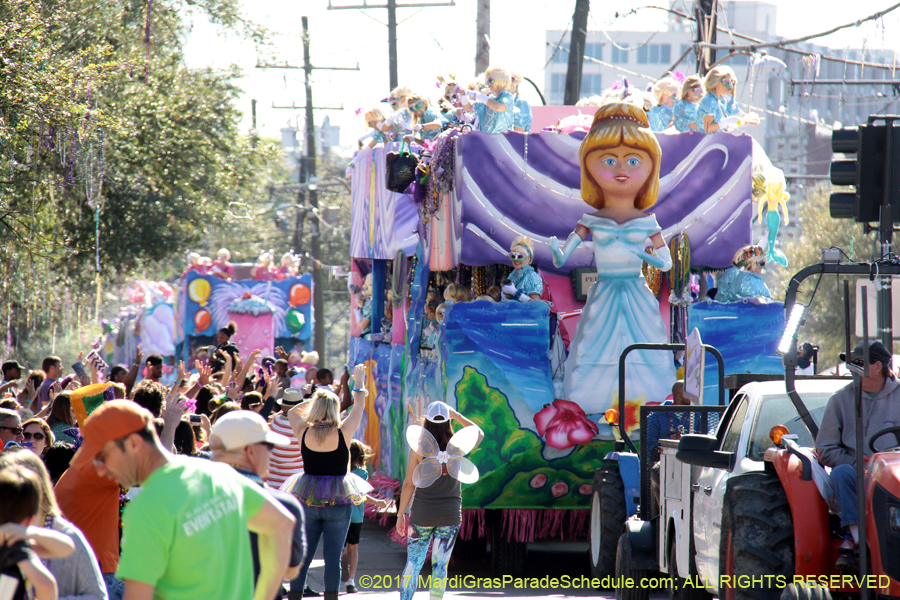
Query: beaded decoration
[
  {"x": 478, "y": 286},
  {"x": 652, "y": 275}
]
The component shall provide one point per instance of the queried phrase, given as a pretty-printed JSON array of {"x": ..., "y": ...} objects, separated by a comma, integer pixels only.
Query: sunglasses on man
[{"x": 15, "y": 430}]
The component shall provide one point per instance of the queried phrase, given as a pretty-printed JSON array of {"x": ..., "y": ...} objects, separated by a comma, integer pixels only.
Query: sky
[{"x": 441, "y": 40}]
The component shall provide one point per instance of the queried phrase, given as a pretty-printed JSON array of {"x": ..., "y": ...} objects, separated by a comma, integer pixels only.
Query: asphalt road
[{"x": 555, "y": 570}]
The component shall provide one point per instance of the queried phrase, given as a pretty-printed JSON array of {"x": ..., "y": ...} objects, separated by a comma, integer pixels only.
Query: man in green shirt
[{"x": 185, "y": 534}]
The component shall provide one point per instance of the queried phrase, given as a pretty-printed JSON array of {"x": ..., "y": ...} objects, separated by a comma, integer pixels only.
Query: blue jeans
[
  {"x": 330, "y": 523},
  {"x": 843, "y": 478},
  {"x": 115, "y": 588}
]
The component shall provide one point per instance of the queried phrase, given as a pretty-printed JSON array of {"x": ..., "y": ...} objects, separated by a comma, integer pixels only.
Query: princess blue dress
[
  {"x": 620, "y": 311},
  {"x": 523, "y": 116},
  {"x": 718, "y": 107},
  {"x": 526, "y": 280},
  {"x": 685, "y": 114},
  {"x": 431, "y": 116},
  {"x": 660, "y": 117},
  {"x": 492, "y": 121},
  {"x": 736, "y": 284}
]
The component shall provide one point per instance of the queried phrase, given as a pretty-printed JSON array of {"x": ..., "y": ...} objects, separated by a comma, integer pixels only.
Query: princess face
[
  {"x": 619, "y": 171},
  {"x": 519, "y": 257},
  {"x": 693, "y": 93},
  {"x": 667, "y": 99}
]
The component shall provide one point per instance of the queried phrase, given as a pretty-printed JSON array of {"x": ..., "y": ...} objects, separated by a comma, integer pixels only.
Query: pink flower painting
[{"x": 563, "y": 424}]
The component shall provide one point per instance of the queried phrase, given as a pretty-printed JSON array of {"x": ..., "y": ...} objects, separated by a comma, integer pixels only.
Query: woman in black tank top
[{"x": 327, "y": 488}]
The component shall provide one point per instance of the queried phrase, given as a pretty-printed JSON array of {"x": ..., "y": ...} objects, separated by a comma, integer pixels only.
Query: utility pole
[
  {"x": 308, "y": 187},
  {"x": 482, "y": 36},
  {"x": 576, "y": 52},
  {"x": 706, "y": 32},
  {"x": 391, "y": 7},
  {"x": 307, "y": 172}
]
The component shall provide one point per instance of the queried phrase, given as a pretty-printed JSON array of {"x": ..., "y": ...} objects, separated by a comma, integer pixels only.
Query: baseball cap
[
  {"x": 292, "y": 397},
  {"x": 877, "y": 352},
  {"x": 113, "y": 420},
  {"x": 12, "y": 364},
  {"x": 438, "y": 412},
  {"x": 241, "y": 428}
]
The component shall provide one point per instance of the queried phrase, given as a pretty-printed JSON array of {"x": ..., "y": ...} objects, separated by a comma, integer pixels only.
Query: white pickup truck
[{"x": 686, "y": 541}]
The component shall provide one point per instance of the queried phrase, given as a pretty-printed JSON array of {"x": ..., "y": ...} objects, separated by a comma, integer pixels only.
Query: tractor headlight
[{"x": 894, "y": 519}]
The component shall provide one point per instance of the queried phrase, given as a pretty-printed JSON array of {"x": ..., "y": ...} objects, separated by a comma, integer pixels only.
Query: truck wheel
[
  {"x": 507, "y": 556},
  {"x": 801, "y": 592},
  {"x": 757, "y": 537},
  {"x": 607, "y": 520},
  {"x": 680, "y": 591},
  {"x": 624, "y": 570}
]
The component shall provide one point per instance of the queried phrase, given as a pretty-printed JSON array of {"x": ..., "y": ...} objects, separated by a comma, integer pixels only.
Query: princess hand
[
  {"x": 478, "y": 96},
  {"x": 662, "y": 260},
  {"x": 509, "y": 290},
  {"x": 727, "y": 122},
  {"x": 557, "y": 253}
]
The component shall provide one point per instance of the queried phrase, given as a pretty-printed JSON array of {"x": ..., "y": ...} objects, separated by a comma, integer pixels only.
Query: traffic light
[{"x": 877, "y": 150}]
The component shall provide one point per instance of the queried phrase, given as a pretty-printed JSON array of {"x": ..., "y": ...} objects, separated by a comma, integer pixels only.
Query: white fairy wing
[
  {"x": 427, "y": 472},
  {"x": 462, "y": 441},
  {"x": 421, "y": 441},
  {"x": 462, "y": 469}
]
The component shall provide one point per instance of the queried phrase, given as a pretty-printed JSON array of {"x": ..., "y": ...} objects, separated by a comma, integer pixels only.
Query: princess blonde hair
[
  {"x": 715, "y": 76},
  {"x": 620, "y": 124},
  {"x": 375, "y": 115},
  {"x": 689, "y": 82},
  {"x": 499, "y": 75},
  {"x": 663, "y": 86},
  {"x": 524, "y": 242},
  {"x": 401, "y": 93}
]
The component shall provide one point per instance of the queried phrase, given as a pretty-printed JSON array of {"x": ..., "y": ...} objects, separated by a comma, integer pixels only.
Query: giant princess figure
[{"x": 620, "y": 178}]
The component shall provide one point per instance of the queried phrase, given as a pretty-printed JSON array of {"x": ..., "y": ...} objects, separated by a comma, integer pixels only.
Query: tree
[
  {"x": 824, "y": 317},
  {"x": 113, "y": 156}
]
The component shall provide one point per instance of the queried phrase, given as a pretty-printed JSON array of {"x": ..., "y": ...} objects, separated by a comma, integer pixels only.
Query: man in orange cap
[{"x": 190, "y": 514}]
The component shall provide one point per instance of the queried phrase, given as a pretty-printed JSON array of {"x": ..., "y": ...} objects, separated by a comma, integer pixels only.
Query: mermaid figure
[
  {"x": 776, "y": 197},
  {"x": 620, "y": 159}
]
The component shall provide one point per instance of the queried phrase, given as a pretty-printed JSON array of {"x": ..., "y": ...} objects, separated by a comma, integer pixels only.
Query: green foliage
[
  {"x": 100, "y": 119},
  {"x": 514, "y": 472},
  {"x": 824, "y": 319}
]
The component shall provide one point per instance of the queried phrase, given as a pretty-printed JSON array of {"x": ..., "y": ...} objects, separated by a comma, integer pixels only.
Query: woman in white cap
[{"x": 436, "y": 511}]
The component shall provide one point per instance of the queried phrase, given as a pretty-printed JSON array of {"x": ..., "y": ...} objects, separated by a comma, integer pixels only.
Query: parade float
[
  {"x": 267, "y": 312},
  {"x": 504, "y": 364}
]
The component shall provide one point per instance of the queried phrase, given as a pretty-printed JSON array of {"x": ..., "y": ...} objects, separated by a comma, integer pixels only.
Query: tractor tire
[
  {"x": 607, "y": 520},
  {"x": 507, "y": 556},
  {"x": 795, "y": 591},
  {"x": 639, "y": 590},
  {"x": 680, "y": 591},
  {"x": 757, "y": 537}
]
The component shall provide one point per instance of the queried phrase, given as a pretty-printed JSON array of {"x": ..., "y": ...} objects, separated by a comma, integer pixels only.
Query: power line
[
  {"x": 805, "y": 38},
  {"x": 757, "y": 41}
]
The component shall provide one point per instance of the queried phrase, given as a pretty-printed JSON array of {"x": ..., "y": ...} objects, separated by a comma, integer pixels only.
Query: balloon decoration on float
[
  {"x": 199, "y": 290},
  {"x": 299, "y": 295},
  {"x": 202, "y": 320},
  {"x": 295, "y": 320}
]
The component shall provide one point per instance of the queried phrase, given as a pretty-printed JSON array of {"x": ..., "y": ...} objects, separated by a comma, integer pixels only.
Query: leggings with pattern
[{"x": 416, "y": 551}]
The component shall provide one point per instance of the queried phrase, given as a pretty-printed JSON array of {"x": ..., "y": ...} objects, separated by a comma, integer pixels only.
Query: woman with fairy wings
[{"x": 434, "y": 471}]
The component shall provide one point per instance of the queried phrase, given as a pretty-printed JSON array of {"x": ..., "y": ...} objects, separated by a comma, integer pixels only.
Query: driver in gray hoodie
[{"x": 836, "y": 441}]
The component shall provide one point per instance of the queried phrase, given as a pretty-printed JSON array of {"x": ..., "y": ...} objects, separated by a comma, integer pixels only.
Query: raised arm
[
  {"x": 561, "y": 255},
  {"x": 351, "y": 423},
  {"x": 248, "y": 364},
  {"x": 132, "y": 374}
]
